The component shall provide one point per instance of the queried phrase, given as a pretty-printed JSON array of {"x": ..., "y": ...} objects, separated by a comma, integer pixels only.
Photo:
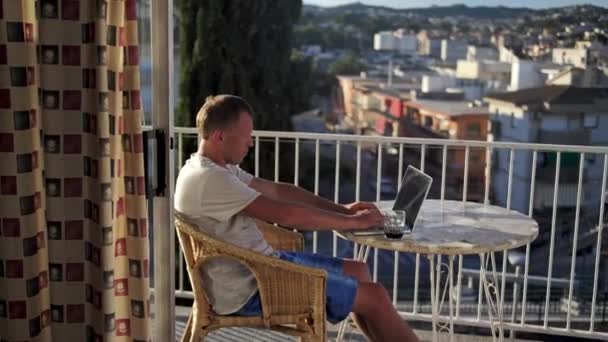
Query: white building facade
[{"x": 549, "y": 115}]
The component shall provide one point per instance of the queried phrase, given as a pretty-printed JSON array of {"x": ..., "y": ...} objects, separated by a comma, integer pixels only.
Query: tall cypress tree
[
  {"x": 239, "y": 47},
  {"x": 243, "y": 47}
]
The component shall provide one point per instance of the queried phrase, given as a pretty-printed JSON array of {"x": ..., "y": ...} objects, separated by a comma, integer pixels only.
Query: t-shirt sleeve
[
  {"x": 243, "y": 175},
  {"x": 225, "y": 195}
]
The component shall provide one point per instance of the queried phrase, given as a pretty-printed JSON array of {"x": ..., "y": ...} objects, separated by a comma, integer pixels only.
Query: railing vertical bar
[
  {"x": 443, "y": 171},
  {"x": 400, "y": 167},
  {"x": 378, "y": 188},
  {"x": 180, "y": 149},
  {"x": 276, "y": 159},
  {"x": 417, "y": 271},
  {"x": 438, "y": 283},
  {"x": 357, "y": 186},
  {"x": 422, "y": 157},
  {"x": 514, "y": 305},
  {"x": 395, "y": 276},
  {"x": 480, "y": 286},
  {"x": 527, "y": 263},
  {"x": 465, "y": 177},
  {"x": 486, "y": 197},
  {"x": 396, "y": 254},
  {"x": 315, "y": 234},
  {"x": 503, "y": 280},
  {"x": 180, "y": 162},
  {"x": 575, "y": 238},
  {"x": 296, "y": 168},
  {"x": 598, "y": 247},
  {"x": 510, "y": 180},
  {"x": 336, "y": 195},
  {"x": 552, "y": 243},
  {"x": 460, "y": 258},
  {"x": 486, "y": 201},
  {"x": 257, "y": 156}
]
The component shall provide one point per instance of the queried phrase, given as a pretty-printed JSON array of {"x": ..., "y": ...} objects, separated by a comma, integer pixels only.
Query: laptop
[{"x": 415, "y": 187}]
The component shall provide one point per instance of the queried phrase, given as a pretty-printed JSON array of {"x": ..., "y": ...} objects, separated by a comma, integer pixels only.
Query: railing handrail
[{"x": 421, "y": 141}]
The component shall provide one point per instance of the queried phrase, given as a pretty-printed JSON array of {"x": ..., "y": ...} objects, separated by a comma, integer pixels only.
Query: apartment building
[
  {"x": 461, "y": 120},
  {"x": 453, "y": 50},
  {"x": 554, "y": 114}
]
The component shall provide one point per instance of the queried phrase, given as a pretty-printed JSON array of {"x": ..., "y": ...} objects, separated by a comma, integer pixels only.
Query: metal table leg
[{"x": 492, "y": 294}]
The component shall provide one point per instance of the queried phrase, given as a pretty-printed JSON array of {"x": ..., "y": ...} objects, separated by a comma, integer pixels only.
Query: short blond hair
[{"x": 219, "y": 112}]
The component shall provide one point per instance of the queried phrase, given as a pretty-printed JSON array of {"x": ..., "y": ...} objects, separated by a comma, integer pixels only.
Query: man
[{"x": 216, "y": 195}]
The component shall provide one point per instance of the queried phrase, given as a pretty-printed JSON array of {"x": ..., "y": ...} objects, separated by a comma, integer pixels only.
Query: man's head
[{"x": 225, "y": 123}]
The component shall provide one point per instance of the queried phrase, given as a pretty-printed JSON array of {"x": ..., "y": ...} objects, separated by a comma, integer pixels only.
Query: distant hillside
[{"x": 481, "y": 12}]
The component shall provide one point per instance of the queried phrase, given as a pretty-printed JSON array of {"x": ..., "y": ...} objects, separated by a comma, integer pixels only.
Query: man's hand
[
  {"x": 355, "y": 207},
  {"x": 367, "y": 218}
]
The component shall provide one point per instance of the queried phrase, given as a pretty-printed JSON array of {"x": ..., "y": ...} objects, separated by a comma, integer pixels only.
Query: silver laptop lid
[{"x": 415, "y": 186}]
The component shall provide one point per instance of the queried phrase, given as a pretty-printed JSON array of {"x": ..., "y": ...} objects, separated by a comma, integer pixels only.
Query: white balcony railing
[{"x": 560, "y": 293}]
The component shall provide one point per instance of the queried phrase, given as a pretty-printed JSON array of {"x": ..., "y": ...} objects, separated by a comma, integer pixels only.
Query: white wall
[
  {"x": 525, "y": 74},
  {"x": 396, "y": 41},
  {"x": 436, "y": 83},
  {"x": 406, "y": 43},
  {"x": 384, "y": 41},
  {"x": 526, "y": 130},
  {"x": 506, "y": 55},
  {"x": 576, "y": 57},
  {"x": 476, "y": 53},
  {"x": 452, "y": 50}
]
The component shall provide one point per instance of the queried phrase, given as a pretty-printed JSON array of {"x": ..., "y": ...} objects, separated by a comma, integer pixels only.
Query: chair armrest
[{"x": 281, "y": 239}]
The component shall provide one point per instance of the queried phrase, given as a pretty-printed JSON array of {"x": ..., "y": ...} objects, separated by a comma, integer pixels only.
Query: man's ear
[{"x": 217, "y": 135}]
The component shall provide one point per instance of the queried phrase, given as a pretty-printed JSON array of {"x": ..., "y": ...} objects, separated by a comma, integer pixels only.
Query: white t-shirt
[{"x": 212, "y": 198}]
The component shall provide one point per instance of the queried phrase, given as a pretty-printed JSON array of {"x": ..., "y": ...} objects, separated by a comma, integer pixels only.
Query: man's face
[{"x": 237, "y": 139}]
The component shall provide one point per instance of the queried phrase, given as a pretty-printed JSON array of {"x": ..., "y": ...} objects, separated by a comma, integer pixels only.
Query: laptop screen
[{"x": 415, "y": 186}]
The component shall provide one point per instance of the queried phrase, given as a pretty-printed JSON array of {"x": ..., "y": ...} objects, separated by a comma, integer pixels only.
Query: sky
[{"x": 427, "y": 3}]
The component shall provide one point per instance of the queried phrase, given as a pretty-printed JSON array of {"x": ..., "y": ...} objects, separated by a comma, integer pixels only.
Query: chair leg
[
  {"x": 196, "y": 332},
  {"x": 188, "y": 331},
  {"x": 311, "y": 338}
]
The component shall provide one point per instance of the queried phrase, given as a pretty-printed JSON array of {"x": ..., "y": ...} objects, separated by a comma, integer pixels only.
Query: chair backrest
[
  {"x": 196, "y": 252},
  {"x": 199, "y": 247}
]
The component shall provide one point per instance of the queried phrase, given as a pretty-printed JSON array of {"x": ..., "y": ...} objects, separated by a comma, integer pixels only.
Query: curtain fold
[{"x": 73, "y": 225}]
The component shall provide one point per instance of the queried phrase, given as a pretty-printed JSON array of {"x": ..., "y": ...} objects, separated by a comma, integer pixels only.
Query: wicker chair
[{"x": 292, "y": 296}]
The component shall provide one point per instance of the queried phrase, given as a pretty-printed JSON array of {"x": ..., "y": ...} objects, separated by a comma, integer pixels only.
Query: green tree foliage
[
  {"x": 239, "y": 47},
  {"x": 243, "y": 47},
  {"x": 347, "y": 65}
]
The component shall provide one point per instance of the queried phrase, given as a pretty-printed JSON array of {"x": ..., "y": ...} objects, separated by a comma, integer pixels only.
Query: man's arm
[
  {"x": 306, "y": 217},
  {"x": 291, "y": 193}
]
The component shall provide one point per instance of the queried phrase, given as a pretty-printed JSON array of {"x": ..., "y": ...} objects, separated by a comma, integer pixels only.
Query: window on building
[
  {"x": 591, "y": 120},
  {"x": 496, "y": 128},
  {"x": 474, "y": 129},
  {"x": 514, "y": 121},
  {"x": 428, "y": 121},
  {"x": 475, "y": 157},
  {"x": 574, "y": 122}
]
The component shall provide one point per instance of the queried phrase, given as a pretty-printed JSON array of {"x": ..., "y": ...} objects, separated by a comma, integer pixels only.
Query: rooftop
[
  {"x": 552, "y": 95},
  {"x": 449, "y": 108}
]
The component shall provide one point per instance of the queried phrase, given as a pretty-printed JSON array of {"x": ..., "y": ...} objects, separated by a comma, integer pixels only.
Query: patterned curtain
[{"x": 73, "y": 228}]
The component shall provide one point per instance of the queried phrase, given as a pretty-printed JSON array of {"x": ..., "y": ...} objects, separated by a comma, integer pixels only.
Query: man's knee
[{"x": 357, "y": 269}]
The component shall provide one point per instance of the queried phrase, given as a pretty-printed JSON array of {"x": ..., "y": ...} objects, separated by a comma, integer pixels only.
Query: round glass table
[{"x": 456, "y": 228}]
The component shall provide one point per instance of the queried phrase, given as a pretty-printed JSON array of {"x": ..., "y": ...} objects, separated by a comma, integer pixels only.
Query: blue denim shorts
[{"x": 341, "y": 289}]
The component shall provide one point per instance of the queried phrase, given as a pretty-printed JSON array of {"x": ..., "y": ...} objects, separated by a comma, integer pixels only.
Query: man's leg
[
  {"x": 360, "y": 271},
  {"x": 373, "y": 308}
]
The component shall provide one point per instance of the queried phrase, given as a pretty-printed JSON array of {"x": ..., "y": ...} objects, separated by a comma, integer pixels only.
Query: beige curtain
[{"x": 73, "y": 228}]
